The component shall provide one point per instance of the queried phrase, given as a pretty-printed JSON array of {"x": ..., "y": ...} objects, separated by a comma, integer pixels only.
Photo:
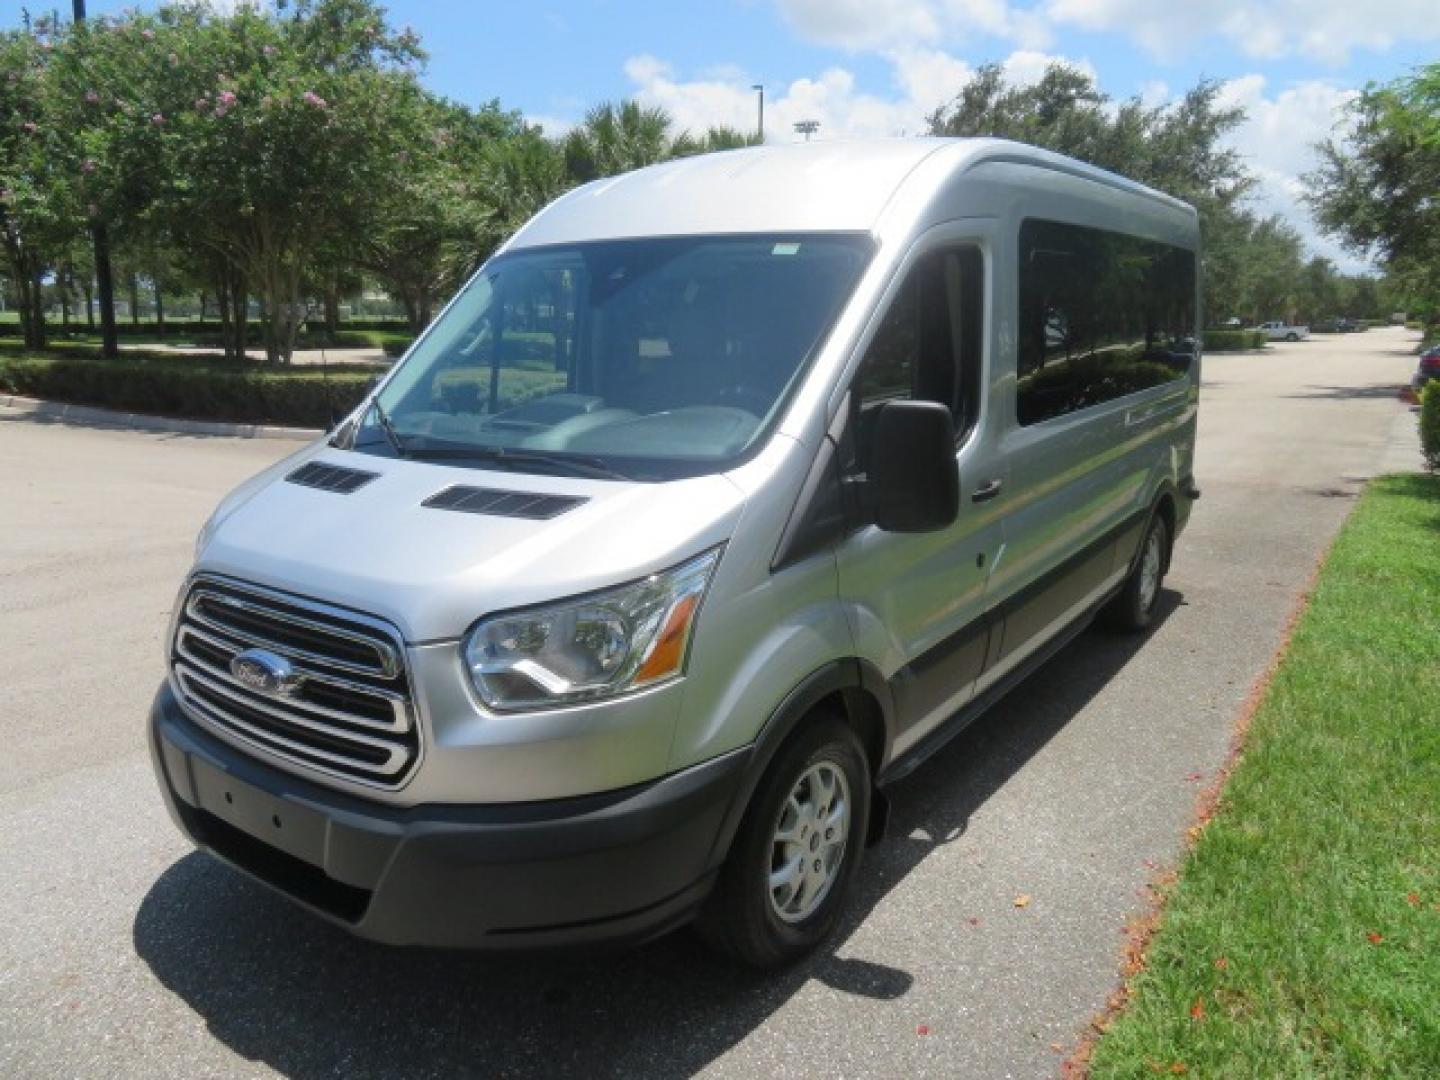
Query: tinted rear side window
[{"x": 1102, "y": 315}]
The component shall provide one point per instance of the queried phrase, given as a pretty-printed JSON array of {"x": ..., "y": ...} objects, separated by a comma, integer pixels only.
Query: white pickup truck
[{"x": 1276, "y": 330}]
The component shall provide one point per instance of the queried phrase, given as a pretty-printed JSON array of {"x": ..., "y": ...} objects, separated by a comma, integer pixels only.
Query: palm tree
[
  {"x": 617, "y": 138},
  {"x": 721, "y": 137}
]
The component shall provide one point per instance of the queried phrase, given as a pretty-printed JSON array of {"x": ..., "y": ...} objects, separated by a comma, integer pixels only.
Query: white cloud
[
  {"x": 554, "y": 127},
  {"x": 1325, "y": 30},
  {"x": 924, "y": 78},
  {"x": 1027, "y": 66},
  {"x": 1277, "y": 141},
  {"x": 877, "y": 25},
  {"x": 863, "y": 24},
  {"x": 1155, "y": 92},
  {"x": 229, "y": 7}
]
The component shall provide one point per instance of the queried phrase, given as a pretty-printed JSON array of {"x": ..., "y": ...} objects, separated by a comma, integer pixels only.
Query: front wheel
[
  {"x": 1292, "y": 337},
  {"x": 784, "y": 884},
  {"x": 1134, "y": 606}
]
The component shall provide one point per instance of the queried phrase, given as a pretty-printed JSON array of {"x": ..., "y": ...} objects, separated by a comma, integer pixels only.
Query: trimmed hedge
[
  {"x": 1430, "y": 424},
  {"x": 1233, "y": 340},
  {"x": 190, "y": 388},
  {"x": 188, "y": 329}
]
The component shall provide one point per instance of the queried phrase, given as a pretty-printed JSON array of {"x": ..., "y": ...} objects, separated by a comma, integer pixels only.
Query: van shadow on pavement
[
  {"x": 279, "y": 986},
  {"x": 1374, "y": 392}
]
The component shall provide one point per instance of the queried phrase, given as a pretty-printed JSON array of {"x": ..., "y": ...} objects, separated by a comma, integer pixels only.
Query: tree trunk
[
  {"x": 22, "y": 306},
  {"x": 332, "y": 313},
  {"x": 32, "y": 310},
  {"x": 134, "y": 299},
  {"x": 227, "y": 329},
  {"x": 159, "y": 311},
  {"x": 202, "y": 305},
  {"x": 62, "y": 283},
  {"x": 87, "y": 289},
  {"x": 240, "y": 298}
]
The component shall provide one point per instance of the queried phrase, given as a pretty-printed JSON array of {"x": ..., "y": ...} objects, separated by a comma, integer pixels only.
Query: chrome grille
[{"x": 352, "y": 714}]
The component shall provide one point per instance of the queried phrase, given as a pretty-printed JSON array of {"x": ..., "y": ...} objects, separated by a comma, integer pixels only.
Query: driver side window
[{"x": 929, "y": 343}]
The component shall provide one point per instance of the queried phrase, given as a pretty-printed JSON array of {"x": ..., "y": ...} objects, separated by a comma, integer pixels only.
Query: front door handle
[{"x": 986, "y": 492}]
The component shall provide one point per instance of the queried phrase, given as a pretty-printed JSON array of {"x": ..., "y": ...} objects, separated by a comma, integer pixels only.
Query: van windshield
[{"x": 646, "y": 359}]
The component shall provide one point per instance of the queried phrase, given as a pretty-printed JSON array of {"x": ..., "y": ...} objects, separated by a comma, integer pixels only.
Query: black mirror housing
[{"x": 912, "y": 483}]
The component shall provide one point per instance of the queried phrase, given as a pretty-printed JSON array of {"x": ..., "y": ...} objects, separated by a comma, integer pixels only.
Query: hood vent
[
  {"x": 516, "y": 504},
  {"x": 336, "y": 478}
]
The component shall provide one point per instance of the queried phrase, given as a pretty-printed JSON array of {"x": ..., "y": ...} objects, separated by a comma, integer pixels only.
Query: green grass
[{"x": 1306, "y": 921}]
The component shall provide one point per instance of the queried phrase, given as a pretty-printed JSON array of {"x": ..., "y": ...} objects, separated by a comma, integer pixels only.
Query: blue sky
[
  {"x": 878, "y": 67},
  {"x": 552, "y": 59}
]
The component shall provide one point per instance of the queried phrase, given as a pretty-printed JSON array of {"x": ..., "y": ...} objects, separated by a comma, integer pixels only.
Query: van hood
[{"x": 432, "y": 572}]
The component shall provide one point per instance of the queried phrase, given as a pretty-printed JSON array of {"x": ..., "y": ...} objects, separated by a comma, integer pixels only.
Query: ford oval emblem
[{"x": 266, "y": 673}]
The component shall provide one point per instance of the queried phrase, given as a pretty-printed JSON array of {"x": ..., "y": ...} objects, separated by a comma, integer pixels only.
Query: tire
[
  {"x": 1292, "y": 337},
  {"x": 1133, "y": 608},
  {"x": 743, "y": 915}
]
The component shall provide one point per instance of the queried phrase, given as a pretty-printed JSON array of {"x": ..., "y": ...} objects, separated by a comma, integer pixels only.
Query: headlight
[{"x": 594, "y": 646}]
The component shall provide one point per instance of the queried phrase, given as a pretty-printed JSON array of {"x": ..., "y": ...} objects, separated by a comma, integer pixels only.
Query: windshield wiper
[
  {"x": 500, "y": 455},
  {"x": 388, "y": 427}
]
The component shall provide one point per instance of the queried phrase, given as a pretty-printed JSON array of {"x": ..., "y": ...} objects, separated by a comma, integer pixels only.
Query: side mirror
[{"x": 912, "y": 483}]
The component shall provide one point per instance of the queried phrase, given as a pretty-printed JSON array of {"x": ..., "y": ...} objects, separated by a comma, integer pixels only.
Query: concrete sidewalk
[{"x": 88, "y": 415}]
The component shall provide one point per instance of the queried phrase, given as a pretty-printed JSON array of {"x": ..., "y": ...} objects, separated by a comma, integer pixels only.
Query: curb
[{"x": 60, "y": 412}]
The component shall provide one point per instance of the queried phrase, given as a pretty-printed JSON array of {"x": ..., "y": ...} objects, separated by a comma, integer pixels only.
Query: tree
[
  {"x": 720, "y": 137},
  {"x": 617, "y": 138},
  {"x": 437, "y": 218},
  {"x": 1274, "y": 267},
  {"x": 257, "y": 139},
  {"x": 1375, "y": 188},
  {"x": 39, "y": 213},
  {"x": 1175, "y": 148},
  {"x": 518, "y": 177}
]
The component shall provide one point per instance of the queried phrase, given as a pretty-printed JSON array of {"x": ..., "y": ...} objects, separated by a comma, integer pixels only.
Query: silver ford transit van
[{"x": 722, "y": 496}]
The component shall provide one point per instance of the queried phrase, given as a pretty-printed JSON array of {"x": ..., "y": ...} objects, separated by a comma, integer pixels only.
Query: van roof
[{"x": 825, "y": 186}]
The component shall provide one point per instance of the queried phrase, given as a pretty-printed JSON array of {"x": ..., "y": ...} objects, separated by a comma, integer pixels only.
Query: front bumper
[{"x": 619, "y": 866}]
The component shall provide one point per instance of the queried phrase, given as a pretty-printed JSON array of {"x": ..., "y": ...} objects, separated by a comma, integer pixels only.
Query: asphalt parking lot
[{"x": 124, "y": 953}]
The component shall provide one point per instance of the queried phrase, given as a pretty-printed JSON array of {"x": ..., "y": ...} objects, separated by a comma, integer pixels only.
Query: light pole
[
  {"x": 807, "y": 128},
  {"x": 104, "y": 279},
  {"x": 759, "y": 88}
]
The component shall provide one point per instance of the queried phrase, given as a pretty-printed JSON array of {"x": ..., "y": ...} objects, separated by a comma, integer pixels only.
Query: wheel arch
[{"x": 850, "y": 688}]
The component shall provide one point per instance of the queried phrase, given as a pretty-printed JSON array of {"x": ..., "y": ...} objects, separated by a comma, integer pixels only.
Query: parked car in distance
[
  {"x": 1338, "y": 324},
  {"x": 722, "y": 496},
  {"x": 1429, "y": 367},
  {"x": 1277, "y": 330}
]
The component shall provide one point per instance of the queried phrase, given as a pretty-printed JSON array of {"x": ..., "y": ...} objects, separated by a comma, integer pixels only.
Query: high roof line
[{"x": 826, "y": 186}]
